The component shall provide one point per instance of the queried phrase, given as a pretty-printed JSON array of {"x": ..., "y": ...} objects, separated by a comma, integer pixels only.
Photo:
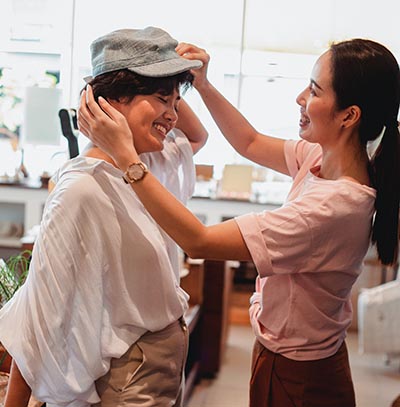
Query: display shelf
[
  {"x": 12, "y": 242},
  {"x": 22, "y": 202},
  {"x": 214, "y": 210}
]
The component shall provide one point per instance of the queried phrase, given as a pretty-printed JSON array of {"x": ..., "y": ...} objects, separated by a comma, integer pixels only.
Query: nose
[
  {"x": 300, "y": 100},
  {"x": 171, "y": 115}
]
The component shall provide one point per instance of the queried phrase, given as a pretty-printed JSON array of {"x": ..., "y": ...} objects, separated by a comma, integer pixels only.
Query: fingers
[
  {"x": 185, "y": 47},
  {"x": 105, "y": 126},
  {"x": 88, "y": 109},
  {"x": 82, "y": 115},
  {"x": 191, "y": 51},
  {"x": 92, "y": 106}
]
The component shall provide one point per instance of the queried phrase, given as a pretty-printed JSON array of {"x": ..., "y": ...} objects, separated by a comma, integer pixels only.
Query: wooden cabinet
[
  {"x": 217, "y": 286},
  {"x": 209, "y": 285}
]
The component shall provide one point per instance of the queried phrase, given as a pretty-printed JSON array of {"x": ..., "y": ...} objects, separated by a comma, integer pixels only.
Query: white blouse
[{"x": 102, "y": 273}]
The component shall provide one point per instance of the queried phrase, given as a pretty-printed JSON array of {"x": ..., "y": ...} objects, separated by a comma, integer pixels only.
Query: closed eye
[{"x": 313, "y": 86}]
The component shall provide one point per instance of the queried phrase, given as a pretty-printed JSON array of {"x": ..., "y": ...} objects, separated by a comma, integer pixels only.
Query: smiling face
[
  {"x": 150, "y": 118},
  {"x": 320, "y": 120}
]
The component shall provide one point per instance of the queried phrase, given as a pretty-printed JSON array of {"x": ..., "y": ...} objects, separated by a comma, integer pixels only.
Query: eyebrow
[{"x": 315, "y": 83}]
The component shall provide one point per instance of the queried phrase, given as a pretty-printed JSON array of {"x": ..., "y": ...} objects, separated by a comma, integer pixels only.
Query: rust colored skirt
[{"x": 281, "y": 382}]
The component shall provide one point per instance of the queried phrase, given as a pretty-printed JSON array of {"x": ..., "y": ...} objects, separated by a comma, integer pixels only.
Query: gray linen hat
[{"x": 147, "y": 52}]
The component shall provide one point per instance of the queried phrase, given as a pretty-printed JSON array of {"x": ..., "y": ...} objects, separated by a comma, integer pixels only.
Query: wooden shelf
[{"x": 12, "y": 242}]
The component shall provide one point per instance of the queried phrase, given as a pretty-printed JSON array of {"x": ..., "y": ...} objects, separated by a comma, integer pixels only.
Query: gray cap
[{"x": 148, "y": 52}]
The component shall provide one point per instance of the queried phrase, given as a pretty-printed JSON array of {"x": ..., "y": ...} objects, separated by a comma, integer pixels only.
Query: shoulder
[
  {"x": 76, "y": 183},
  {"x": 177, "y": 143},
  {"x": 326, "y": 207},
  {"x": 177, "y": 151},
  {"x": 302, "y": 148},
  {"x": 338, "y": 213},
  {"x": 300, "y": 153}
]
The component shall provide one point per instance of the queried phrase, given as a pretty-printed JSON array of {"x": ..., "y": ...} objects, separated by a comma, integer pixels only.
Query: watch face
[{"x": 135, "y": 172}]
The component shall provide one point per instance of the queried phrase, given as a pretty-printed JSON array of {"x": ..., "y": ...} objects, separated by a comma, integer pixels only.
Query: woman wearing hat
[
  {"x": 309, "y": 252},
  {"x": 99, "y": 319}
]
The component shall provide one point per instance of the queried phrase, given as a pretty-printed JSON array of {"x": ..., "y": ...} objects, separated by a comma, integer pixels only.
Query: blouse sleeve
[
  {"x": 173, "y": 166},
  {"x": 59, "y": 363}
]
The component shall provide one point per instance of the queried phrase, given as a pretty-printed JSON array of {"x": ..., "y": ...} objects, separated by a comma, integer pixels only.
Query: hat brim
[
  {"x": 161, "y": 69},
  {"x": 169, "y": 67}
]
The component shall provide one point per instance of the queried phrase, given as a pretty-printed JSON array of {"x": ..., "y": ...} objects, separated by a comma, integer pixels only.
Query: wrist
[
  {"x": 203, "y": 86},
  {"x": 125, "y": 160}
]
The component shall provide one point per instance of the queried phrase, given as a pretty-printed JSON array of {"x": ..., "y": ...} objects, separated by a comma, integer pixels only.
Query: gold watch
[{"x": 135, "y": 172}]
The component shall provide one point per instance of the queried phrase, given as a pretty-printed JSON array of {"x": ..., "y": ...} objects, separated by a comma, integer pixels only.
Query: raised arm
[
  {"x": 244, "y": 138},
  {"x": 109, "y": 130},
  {"x": 191, "y": 125}
]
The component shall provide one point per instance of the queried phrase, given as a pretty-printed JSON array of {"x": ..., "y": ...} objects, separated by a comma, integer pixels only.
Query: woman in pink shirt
[{"x": 309, "y": 252}]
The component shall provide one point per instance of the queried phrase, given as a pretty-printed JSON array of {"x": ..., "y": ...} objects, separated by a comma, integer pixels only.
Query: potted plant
[{"x": 13, "y": 273}]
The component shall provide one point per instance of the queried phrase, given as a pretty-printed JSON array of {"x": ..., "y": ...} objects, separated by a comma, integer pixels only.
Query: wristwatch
[{"x": 135, "y": 172}]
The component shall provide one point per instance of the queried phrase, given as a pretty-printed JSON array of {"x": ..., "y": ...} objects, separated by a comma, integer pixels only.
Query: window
[{"x": 262, "y": 51}]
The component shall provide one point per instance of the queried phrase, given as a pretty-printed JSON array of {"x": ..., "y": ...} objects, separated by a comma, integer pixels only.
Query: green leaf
[{"x": 13, "y": 274}]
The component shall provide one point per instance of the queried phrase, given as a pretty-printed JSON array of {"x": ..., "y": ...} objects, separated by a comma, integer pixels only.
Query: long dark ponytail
[{"x": 367, "y": 74}]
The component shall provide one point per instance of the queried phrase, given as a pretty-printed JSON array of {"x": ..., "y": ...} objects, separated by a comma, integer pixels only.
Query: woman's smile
[{"x": 162, "y": 130}]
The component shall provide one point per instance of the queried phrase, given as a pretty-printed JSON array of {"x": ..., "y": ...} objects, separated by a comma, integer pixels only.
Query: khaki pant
[{"x": 150, "y": 373}]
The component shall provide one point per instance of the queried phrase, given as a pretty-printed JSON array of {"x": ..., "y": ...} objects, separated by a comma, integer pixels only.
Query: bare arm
[
  {"x": 191, "y": 125},
  {"x": 245, "y": 139},
  {"x": 18, "y": 391},
  {"x": 108, "y": 129}
]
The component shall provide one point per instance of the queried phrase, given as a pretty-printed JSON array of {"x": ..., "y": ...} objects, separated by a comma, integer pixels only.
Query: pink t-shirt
[{"x": 308, "y": 254}]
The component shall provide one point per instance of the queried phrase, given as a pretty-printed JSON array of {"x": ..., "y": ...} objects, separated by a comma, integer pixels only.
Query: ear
[
  {"x": 351, "y": 116},
  {"x": 113, "y": 103},
  {"x": 116, "y": 104}
]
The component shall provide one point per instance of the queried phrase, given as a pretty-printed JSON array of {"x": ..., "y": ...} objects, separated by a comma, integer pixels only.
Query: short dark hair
[{"x": 124, "y": 85}]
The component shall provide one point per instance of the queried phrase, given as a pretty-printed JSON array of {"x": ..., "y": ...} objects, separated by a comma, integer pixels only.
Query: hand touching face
[
  {"x": 107, "y": 128},
  {"x": 123, "y": 128}
]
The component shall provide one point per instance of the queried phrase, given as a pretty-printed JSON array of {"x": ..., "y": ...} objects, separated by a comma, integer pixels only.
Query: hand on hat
[
  {"x": 190, "y": 51},
  {"x": 107, "y": 128}
]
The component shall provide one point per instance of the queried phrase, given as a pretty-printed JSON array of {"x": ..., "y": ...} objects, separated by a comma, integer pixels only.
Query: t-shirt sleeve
[
  {"x": 298, "y": 152},
  {"x": 277, "y": 240},
  {"x": 306, "y": 235}
]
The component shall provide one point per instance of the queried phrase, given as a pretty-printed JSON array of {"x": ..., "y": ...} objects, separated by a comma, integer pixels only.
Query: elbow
[
  {"x": 200, "y": 143},
  {"x": 204, "y": 138},
  {"x": 195, "y": 252},
  {"x": 197, "y": 248}
]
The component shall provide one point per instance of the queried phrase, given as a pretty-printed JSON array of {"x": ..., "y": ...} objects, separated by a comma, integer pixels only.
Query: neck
[
  {"x": 93, "y": 151},
  {"x": 345, "y": 160}
]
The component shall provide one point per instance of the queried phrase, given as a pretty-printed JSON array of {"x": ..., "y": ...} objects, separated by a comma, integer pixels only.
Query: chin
[
  {"x": 160, "y": 145},
  {"x": 305, "y": 135},
  {"x": 153, "y": 148},
  {"x": 302, "y": 134}
]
